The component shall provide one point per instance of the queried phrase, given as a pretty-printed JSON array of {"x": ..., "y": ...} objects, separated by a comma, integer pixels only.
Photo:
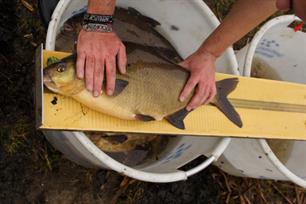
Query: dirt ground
[{"x": 31, "y": 171}]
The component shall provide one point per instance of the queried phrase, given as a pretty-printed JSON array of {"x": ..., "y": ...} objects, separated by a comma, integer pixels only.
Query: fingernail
[
  {"x": 96, "y": 93},
  {"x": 188, "y": 108},
  {"x": 109, "y": 92},
  {"x": 182, "y": 98},
  {"x": 89, "y": 88}
]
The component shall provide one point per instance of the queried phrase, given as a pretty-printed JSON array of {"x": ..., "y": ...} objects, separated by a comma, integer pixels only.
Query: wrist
[
  {"x": 211, "y": 49},
  {"x": 100, "y": 28},
  {"x": 203, "y": 51},
  {"x": 97, "y": 23},
  {"x": 102, "y": 7},
  {"x": 97, "y": 18}
]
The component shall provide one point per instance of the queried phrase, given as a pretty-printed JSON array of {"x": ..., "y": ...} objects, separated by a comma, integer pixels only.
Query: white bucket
[
  {"x": 181, "y": 149},
  {"x": 276, "y": 52}
]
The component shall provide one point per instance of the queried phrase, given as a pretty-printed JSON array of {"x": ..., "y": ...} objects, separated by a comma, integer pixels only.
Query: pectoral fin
[
  {"x": 120, "y": 86},
  {"x": 177, "y": 118},
  {"x": 144, "y": 117},
  {"x": 225, "y": 87}
]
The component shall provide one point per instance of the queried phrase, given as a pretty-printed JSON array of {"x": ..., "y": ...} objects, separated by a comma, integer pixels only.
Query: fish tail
[{"x": 224, "y": 88}]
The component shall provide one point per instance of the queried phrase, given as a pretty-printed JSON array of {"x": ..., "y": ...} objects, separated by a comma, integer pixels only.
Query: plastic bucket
[
  {"x": 276, "y": 52},
  {"x": 181, "y": 149}
]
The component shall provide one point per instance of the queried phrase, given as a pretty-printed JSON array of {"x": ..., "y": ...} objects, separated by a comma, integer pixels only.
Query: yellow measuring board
[{"x": 268, "y": 109}]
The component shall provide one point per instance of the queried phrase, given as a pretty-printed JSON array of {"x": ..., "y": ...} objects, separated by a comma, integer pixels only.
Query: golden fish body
[{"x": 151, "y": 90}]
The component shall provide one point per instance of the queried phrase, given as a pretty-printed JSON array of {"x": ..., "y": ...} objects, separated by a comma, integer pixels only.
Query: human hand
[
  {"x": 201, "y": 66},
  {"x": 98, "y": 53}
]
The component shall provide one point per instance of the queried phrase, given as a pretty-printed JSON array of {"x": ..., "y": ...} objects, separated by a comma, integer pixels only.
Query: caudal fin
[{"x": 225, "y": 87}]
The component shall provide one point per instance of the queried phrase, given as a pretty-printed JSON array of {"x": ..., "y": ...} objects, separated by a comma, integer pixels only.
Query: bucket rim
[
  {"x": 279, "y": 165},
  {"x": 54, "y": 23},
  {"x": 247, "y": 66},
  {"x": 149, "y": 176}
]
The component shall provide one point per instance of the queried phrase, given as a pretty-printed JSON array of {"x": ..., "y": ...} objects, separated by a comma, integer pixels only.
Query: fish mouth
[
  {"x": 48, "y": 82},
  {"x": 47, "y": 78}
]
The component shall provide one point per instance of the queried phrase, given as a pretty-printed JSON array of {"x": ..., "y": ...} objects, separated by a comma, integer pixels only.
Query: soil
[{"x": 32, "y": 171}]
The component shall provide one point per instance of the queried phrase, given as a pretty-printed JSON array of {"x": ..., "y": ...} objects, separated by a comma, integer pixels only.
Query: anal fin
[{"x": 177, "y": 118}]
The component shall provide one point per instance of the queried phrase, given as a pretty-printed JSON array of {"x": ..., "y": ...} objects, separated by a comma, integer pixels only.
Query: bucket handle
[
  {"x": 280, "y": 166},
  {"x": 148, "y": 176}
]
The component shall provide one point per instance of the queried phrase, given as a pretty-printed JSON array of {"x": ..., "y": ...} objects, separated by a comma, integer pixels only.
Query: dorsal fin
[{"x": 226, "y": 86}]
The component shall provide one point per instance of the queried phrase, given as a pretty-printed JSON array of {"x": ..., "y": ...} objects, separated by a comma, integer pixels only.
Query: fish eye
[{"x": 61, "y": 67}]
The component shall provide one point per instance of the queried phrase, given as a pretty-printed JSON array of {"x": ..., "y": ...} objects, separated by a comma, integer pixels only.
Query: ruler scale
[{"x": 266, "y": 105}]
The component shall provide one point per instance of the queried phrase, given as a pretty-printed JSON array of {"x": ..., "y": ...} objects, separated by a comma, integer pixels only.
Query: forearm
[
  {"x": 105, "y": 7},
  {"x": 244, "y": 16}
]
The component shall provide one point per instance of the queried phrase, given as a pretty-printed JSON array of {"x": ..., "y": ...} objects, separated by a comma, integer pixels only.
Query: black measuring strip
[{"x": 266, "y": 105}]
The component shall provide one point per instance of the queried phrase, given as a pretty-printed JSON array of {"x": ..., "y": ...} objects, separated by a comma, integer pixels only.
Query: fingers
[
  {"x": 99, "y": 52},
  {"x": 81, "y": 57},
  {"x": 110, "y": 75},
  {"x": 122, "y": 59},
  {"x": 98, "y": 76},
  {"x": 203, "y": 95},
  {"x": 94, "y": 72},
  {"x": 200, "y": 95},
  {"x": 190, "y": 85},
  {"x": 89, "y": 72},
  {"x": 212, "y": 94}
]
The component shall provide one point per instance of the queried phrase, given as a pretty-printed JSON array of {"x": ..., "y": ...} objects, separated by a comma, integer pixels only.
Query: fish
[{"x": 149, "y": 91}]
